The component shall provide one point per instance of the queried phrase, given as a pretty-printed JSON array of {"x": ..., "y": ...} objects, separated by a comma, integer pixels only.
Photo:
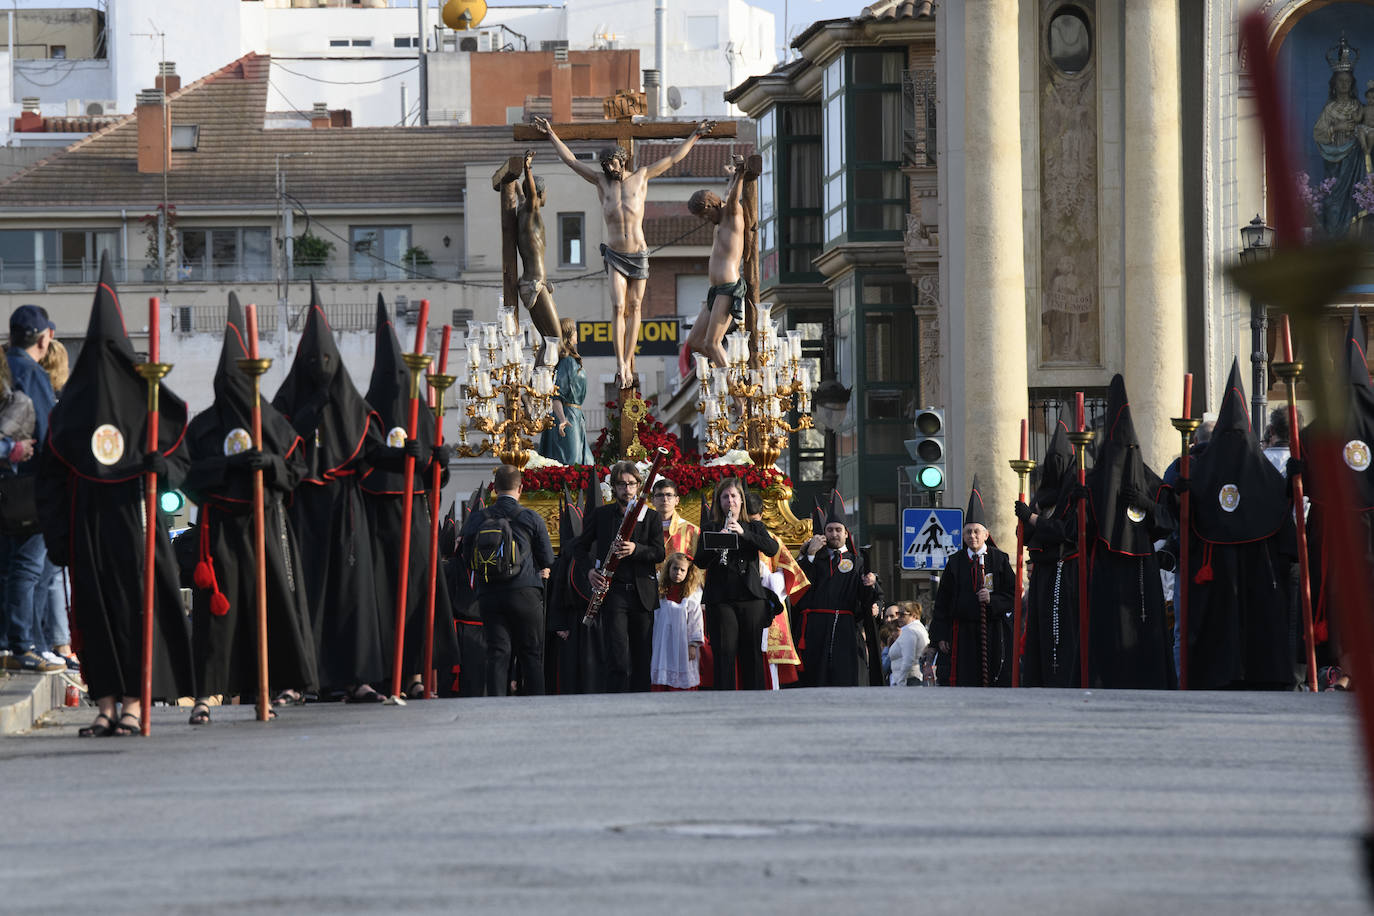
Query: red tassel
[
  {"x": 1204, "y": 572},
  {"x": 204, "y": 577},
  {"x": 219, "y": 605},
  {"x": 1319, "y": 631}
]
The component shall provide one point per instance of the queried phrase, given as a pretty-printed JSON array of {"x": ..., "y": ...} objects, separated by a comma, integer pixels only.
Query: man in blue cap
[{"x": 23, "y": 550}]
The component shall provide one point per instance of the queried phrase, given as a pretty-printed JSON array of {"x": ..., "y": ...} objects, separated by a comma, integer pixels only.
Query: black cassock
[
  {"x": 827, "y": 618},
  {"x": 224, "y": 629},
  {"x": 959, "y": 620},
  {"x": 1240, "y": 552},
  {"x": 469, "y": 672},
  {"x": 338, "y": 430},
  {"x": 90, "y": 492},
  {"x": 383, "y": 487},
  {"x": 1051, "y": 625},
  {"x": 1130, "y": 638}
]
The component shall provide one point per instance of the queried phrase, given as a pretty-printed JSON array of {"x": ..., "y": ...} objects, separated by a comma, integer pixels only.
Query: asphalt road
[{"x": 915, "y": 801}]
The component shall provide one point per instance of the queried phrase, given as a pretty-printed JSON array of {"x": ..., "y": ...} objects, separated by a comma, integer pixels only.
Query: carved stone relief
[{"x": 1070, "y": 307}]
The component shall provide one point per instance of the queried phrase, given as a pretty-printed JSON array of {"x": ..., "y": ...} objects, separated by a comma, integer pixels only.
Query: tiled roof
[
  {"x": 236, "y": 158},
  {"x": 899, "y": 9},
  {"x": 706, "y": 160},
  {"x": 669, "y": 223}
]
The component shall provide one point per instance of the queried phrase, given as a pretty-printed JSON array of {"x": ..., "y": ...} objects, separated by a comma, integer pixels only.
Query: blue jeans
[
  {"x": 50, "y": 607},
  {"x": 22, "y": 559}
]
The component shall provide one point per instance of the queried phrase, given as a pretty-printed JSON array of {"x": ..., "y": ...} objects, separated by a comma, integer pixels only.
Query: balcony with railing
[{"x": 40, "y": 275}]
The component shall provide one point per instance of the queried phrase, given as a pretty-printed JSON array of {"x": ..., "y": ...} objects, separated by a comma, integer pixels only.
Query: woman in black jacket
[{"x": 736, "y": 609}]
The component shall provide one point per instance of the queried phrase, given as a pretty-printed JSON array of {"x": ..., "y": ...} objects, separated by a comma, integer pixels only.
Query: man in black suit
[{"x": 627, "y": 613}]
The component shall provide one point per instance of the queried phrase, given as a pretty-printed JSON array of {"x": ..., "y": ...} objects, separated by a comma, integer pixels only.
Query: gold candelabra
[
  {"x": 746, "y": 403},
  {"x": 506, "y": 393}
]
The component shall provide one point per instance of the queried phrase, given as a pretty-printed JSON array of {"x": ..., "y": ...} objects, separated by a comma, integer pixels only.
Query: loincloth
[
  {"x": 530, "y": 289},
  {"x": 632, "y": 266},
  {"x": 735, "y": 291}
]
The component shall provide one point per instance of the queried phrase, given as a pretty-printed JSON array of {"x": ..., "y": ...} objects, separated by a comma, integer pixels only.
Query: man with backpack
[{"x": 507, "y": 548}]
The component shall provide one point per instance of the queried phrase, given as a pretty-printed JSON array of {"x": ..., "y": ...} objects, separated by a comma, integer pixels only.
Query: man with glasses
[
  {"x": 679, "y": 535},
  {"x": 626, "y": 618}
]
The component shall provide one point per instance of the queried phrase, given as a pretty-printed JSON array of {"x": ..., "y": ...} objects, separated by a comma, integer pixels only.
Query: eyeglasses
[
  {"x": 665, "y": 496},
  {"x": 627, "y": 484}
]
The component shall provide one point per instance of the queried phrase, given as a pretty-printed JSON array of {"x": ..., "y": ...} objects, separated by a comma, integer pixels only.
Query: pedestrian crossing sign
[{"x": 930, "y": 536}]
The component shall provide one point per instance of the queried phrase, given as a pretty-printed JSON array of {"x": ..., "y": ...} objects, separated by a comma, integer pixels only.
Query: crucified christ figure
[
  {"x": 625, "y": 252},
  {"x": 725, "y": 300}
]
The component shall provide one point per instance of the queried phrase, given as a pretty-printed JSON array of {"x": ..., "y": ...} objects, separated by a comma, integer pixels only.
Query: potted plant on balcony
[
  {"x": 416, "y": 259},
  {"x": 310, "y": 253}
]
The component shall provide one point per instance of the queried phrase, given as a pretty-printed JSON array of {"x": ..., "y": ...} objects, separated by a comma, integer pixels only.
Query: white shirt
[{"x": 905, "y": 653}]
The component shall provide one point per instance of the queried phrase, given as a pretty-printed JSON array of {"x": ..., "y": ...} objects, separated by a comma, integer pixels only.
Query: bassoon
[{"x": 627, "y": 527}]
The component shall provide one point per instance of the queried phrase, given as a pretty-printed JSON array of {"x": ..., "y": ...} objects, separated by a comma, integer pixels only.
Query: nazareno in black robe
[
  {"x": 1051, "y": 625},
  {"x": 469, "y": 671},
  {"x": 383, "y": 489},
  {"x": 1130, "y": 639},
  {"x": 1239, "y": 553},
  {"x": 1356, "y": 442},
  {"x": 224, "y": 609},
  {"x": 958, "y": 617},
  {"x": 90, "y": 493},
  {"x": 337, "y": 429},
  {"x": 572, "y": 664}
]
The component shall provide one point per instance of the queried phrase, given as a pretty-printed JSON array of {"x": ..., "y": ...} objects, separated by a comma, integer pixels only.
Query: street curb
[{"x": 24, "y": 698}]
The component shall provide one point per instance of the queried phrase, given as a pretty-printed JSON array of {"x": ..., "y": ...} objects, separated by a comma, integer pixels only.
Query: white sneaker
[{"x": 50, "y": 656}]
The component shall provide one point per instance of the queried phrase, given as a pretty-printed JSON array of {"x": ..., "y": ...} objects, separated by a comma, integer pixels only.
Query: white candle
[{"x": 551, "y": 345}]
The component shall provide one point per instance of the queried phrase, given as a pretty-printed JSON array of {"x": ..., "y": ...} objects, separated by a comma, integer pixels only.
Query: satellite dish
[{"x": 674, "y": 98}]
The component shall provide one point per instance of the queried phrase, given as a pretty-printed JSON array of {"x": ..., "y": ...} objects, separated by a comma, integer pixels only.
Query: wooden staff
[
  {"x": 1080, "y": 438},
  {"x": 1022, "y": 466},
  {"x": 1186, "y": 425},
  {"x": 254, "y": 368},
  {"x": 417, "y": 362},
  {"x": 438, "y": 384},
  {"x": 1290, "y": 371},
  {"x": 152, "y": 372}
]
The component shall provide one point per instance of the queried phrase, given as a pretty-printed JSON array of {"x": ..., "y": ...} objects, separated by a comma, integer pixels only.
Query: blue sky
[{"x": 801, "y": 13}]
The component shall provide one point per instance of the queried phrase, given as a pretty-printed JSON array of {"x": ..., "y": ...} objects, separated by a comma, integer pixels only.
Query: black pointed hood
[
  {"x": 225, "y": 427},
  {"x": 104, "y": 406},
  {"x": 1356, "y": 361},
  {"x": 591, "y": 493},
  {"x": 1058, "y": 469},
  {"x": 569, "y": 519},
  {"x": 389, "y": 395},
  {"x": 1119, "y": 464},
  {"x": 320, "y": 400},
  {"x": 817, "y": 518},
  {"x": 1237, "y": 494},
  {"x": 975, "y": 514},
  {"x": 834, "y": 512},
  {"x": 1356, "y": 438}
]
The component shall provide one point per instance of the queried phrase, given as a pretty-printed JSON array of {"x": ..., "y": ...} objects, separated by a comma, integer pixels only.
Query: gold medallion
[
  {"x": 1229, "y": 497},
  {"x": 107, "y": 444},
  {"x": 846, "y": 565},
  {"x": 396, "y": 438},
  {"x": 1135, "y": 514},
  {"x": 237, "y": 441},
  {"x": 1356, "y": 454}
]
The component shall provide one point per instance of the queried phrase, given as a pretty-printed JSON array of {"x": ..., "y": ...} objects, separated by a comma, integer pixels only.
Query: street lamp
[{"x": 1258, "y": 242}]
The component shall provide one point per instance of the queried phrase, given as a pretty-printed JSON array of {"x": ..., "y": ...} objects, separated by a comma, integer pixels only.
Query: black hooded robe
[
  {"x": 383, "y": 489},
  {"x": 470, "y": 671},
  {"x": 1130, "y": 637},
  {"x": 90, "y": 493},
  {"x": 224, "y": 632},
  {"x": 337, "y": 429},
  {"x": 1240, "y": 551},
  {"x": 573, "y": 663},
  {"x": 1051, "y": 625},
  {"x": 958, "y": 615},
  {"x": 830, "y": 616}
]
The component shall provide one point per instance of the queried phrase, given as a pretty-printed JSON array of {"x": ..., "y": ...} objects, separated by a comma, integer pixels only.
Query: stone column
[
  {"x": 994, "y": 301},
  {"x": 1152, "y": 235}
]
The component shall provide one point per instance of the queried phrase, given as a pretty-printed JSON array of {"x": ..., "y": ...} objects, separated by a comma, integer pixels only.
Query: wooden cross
[{"x": 624, "y": 131}]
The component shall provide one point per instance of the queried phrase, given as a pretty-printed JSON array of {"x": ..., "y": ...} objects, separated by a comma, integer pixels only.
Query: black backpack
[{"x": 495, "y": 555}]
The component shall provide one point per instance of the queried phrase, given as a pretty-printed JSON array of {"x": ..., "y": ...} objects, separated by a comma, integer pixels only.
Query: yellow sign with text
[{"x": 657, "y": 337}]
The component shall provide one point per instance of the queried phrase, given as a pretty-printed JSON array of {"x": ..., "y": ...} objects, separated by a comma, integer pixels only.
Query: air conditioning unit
[
  {"x": 183, "y": 319},
  {"x": 91, "y": 107},
  {"x": 489, "y": 40},
  {"x": 461, "y": 317}
]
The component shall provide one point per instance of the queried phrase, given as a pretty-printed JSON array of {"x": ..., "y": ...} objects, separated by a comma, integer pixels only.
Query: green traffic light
[
  {"x": 171, "y": 501},
  {"x": 931, "y": 478}
]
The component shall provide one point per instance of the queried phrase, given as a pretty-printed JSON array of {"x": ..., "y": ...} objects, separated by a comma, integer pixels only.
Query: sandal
[
  {"x": 364, "y": 693},
  {"x": 96, "y": 729},
  {"x": 200, "y": 714},
  {"x": 415, "y": 690},
  {"x": 288, "y": 697},
  {"x": 121, "y": 730}
]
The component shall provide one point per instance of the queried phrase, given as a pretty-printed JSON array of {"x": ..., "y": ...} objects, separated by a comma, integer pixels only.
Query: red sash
[{"x": 801, "y": 643}]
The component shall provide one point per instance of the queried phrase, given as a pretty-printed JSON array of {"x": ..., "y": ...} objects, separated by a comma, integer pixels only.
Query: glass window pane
[
  {"x": 881, "y": 289},
  {"x": 802, "y": 119},
  {"x": 877, "y": 126},
  {"x": 571, "y": 251},
  {"x": 804, "y": 174},
  {"x": 256, "y": 262},
  {"x": 877, "y": 217}
]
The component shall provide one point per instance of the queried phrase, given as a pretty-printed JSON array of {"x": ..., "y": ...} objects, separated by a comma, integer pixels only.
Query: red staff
[
  {"x": 417, "y": 362},
  {"x": 254, "y": 368},
  {"x": 1022, "y": 466},
  {"x": 1290, "y": 371},
  {"x": 1186, "y": 426},
  {"x": 438, "y": 384},
  {"x": 152, "y": 372},
  {"x": 1080, "y": 439}
]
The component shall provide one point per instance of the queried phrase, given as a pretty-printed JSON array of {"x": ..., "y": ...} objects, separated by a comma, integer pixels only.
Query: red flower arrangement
[{"x": 685, "y": 470}]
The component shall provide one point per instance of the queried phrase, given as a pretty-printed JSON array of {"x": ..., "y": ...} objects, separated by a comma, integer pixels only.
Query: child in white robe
[{"x": 678, "y": 627}]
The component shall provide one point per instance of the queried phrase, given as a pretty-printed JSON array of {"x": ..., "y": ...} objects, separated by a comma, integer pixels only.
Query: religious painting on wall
[
  {"x": 1330, "y": 89},
  {"x": 1070, "y": 318}
]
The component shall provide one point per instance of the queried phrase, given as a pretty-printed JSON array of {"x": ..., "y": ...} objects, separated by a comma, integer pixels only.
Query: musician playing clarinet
[
  {"x": 626, "y": 617},
  {"x": 735, "y": 604}
]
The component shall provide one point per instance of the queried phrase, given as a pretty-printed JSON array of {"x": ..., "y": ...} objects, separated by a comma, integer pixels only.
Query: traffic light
[
  {"x": 171, "y": 501},
  {"x": 928, "y": 451}
]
